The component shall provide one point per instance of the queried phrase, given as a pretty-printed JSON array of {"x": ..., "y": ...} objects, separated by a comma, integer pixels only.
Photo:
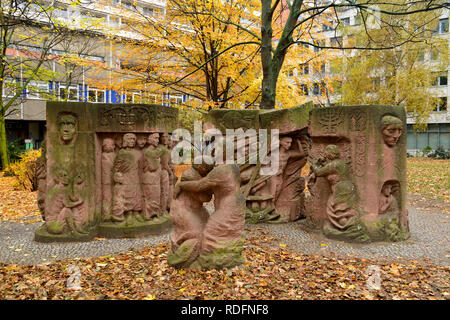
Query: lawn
[{"x": 429, "y": 178}]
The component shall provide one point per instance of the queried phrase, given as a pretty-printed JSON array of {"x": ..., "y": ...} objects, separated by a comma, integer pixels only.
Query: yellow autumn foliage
[{"x": 24, "y": 170}]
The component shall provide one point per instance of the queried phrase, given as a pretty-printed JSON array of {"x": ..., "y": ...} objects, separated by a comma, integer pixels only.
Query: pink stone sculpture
[
  {"x": 151, "y": 178},
  {"x": 189, "y": 218},
  {"x": 108, "y": 156},
  {"x": 222, "y": 233},
  {"x": 341, "y": 201},
  {"x": 166, "y": 172},
  {"x": 127, "y": 163}
]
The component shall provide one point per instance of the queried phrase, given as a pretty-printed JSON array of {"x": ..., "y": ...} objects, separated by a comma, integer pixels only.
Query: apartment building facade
[
  {"x": 26, "y": 120},
  {"x": 437, "y": 133}
]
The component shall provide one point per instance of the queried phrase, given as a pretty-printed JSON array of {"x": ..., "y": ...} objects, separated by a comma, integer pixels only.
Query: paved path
[{"x": 429, "y": 239}]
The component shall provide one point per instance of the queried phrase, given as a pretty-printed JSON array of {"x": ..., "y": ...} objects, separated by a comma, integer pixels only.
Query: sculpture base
[
  {"x": 262, "y": 216},
  {"x": 42, "y": 235},
  {"x": 116, "y": 230}
]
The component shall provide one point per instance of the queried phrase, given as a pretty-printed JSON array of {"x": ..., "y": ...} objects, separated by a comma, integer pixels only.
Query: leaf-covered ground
[
  {"x": 17, "y": 205},
  {"x": 271, "y": 272},
  {"x": 429, "y": 177}
]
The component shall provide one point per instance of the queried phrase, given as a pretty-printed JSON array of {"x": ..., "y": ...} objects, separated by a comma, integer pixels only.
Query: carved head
[
  {"x": 108, "y": 145},
  {"x": 201, "y": 165},
  {"x": 391, "y": 129},
  {"x": 165, "y": 139},
  {"x": 141, "y": 142},
  {"x": 331, "y": 152},
  {"x": 153, "y": 139},
  {"x": 286, "y": 142},
  {"x": 129, "y": 140},
  {"x": 67, "y": 127}
]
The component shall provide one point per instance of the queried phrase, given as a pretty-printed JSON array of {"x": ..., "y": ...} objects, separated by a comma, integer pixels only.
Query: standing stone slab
[
  {"x": 358, "y": 172},
  {"x": 264, "y": 199},
  {"x": 94, "y": 163}
]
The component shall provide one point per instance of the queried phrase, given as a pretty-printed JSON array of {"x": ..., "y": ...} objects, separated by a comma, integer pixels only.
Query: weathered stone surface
[
  {"x": 94, "y": 162},
  {"x": 358, "y": 177},
  {"x": 272, "y": 205},
  {"x": 199, "y": 240}
]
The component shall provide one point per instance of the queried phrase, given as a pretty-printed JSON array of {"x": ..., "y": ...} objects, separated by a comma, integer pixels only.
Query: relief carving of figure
[
  {"x": 166, "y": 172},
  {"x": 66, "y": 208},
  {"x": 291, "y": 160},
  {"x": 67, "y": 127},
  {"x": 108, "y": 156},
  {"x": 391, "y": 130},
  {"x": 127, "y": 198},
  {"x": 151, "y": 177},
  {"x": 341, "y": 202}
]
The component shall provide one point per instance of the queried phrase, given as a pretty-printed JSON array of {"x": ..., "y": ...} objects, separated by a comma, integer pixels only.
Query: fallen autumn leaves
[{"x": 270, "y": 272}]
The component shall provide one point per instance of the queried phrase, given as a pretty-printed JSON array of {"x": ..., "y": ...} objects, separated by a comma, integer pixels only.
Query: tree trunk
[
  {"x": 268, "y": 93},
  {"x": 3, "y": 143}
]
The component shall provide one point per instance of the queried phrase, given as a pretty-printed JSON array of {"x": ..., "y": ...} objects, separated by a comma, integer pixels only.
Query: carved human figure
[
  {"x": 166, "y": 172},
  {"x": 108, "y": 156},
  {"x": 387, "y": 201},
  {"x": 189, "y": 218},
  {"x": 151, "y": 177},
  {"x": 66, "y": 209},
  {"x": 273, "y": 185},
  {"x": 67, "y": 127},
  {"x": 141, "y": 142},
  {"x": 127, "y": 162},
  {"x": 391, "y": 130},
  {"x": 225, "y": 227},
  {"x": 341, "y": 201}
]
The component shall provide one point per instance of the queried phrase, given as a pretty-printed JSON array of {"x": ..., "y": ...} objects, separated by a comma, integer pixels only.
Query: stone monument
[
  {"x": 102, "y": 169},
  {"x": 358, "y": 172}
]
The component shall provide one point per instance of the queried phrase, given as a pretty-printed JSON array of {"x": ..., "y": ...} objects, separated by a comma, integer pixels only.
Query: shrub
[
  {"x": 440, "y": 153},
  {"x": 426, "y": 151},
  {"x": 25, "y": 170}
]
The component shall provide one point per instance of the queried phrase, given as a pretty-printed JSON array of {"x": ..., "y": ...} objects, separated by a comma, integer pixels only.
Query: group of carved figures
[
  {"x": 138, "y": 184},
  {"x": 279, "y": 197},
  {"x": 138, "y": 179}
]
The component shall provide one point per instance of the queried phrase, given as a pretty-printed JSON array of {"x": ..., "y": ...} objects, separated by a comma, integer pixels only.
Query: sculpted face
[
  {"x": 331, "y": 152},
  {"x": 153, "y": 139},
  {"x": 286, "y": 143},
  {"x": 129, "y": 140},
  {"x": 391, "y": 134},
  {"x": 67, "y": 127},
  {"x": 141, "y": 142},
  {"x": 108, "y": 145},
  {"x": 391, "y": 130},
  {"x": 165, "y": 139}
]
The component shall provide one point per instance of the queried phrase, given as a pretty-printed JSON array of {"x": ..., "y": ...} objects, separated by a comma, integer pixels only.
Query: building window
[
  {"x": 149, "y": 11},
  {"x": 439, "y": 80},
  {"x": 442, "y": 81},
  {"x": 336, "y": 41},
  {"x": 441, "y": 104},
  {"x": 442, "y": 26},
  {"x": 316, "y": 89},
  {"x": 304, "y": 68},
  {"x": 37, "y": 90},
  {"x": 305, "y": 89},
  {"x": 96, "y": 95},
  {"x": 345, "y": 21},
  {"x": 70, "y": 94}
]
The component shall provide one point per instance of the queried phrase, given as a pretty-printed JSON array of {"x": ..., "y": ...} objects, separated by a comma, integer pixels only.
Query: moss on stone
[
  {"x": 254, "y": 217},
  {"x": 184, "y": 255},
  {"x": 227, "y": 256}
]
